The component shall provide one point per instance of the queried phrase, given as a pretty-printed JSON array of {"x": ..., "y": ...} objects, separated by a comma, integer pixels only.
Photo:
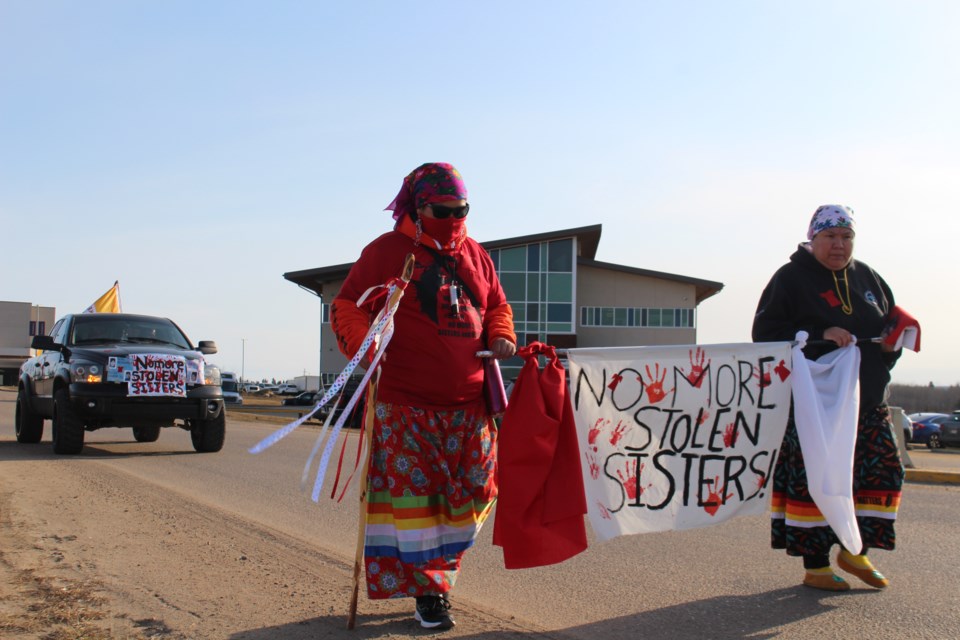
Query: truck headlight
[
  {"x": 85, "y": 372},
  {"x": 211, "y": 375}
]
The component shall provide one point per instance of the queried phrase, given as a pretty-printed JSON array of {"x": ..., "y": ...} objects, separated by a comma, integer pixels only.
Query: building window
[
  {"x": 643, "y": 317},
  {"x": 514, "y": 286},
  {"x": 514, "y": 259},
  {"x": 539, "y": 282},
  {"x": 38, "y": 328},
  {"x": 533, "y": 257},
  {"x": 533, "y": 312},
  {"x": 558, "y": 313},
  {"x": 560, "y": 287},
  {"x": 561, "y": 256},
  {"x": 653, "y": 318}
]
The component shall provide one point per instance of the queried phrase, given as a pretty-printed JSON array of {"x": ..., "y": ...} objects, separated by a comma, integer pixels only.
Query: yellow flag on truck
[{"x": 108, "y": 302}]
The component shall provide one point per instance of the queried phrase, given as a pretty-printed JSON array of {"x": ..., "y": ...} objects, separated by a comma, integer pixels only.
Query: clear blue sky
[{"x": 196, "y": 151}]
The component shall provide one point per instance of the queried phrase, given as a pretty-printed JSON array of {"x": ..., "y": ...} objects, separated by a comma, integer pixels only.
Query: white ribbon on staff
[
  {"x": 379, "y": 334},
  {"x": 377, "y": 331},
  {"x": 328, "y": 449}
]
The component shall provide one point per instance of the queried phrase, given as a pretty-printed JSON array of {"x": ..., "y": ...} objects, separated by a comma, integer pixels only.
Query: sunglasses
[{"x": 441, "y": 212}]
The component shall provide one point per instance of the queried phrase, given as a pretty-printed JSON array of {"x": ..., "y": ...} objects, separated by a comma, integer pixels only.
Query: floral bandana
[
  {"x": 429, "y": 183},
  {"x": 828, "y": 216}
]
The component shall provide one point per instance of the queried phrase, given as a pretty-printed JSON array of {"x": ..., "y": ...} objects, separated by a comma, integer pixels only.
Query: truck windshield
[{"x": 103, "y": 328}]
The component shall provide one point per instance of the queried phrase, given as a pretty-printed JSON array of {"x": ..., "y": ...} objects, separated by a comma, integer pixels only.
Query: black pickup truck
[{"x": 119, "y": 370}]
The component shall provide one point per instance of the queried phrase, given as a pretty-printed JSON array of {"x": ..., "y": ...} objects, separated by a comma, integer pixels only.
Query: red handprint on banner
[
  {"x": 593, "y": 465},
  {"x": 618, "y": 432},
  {"x": 782, "y": 371},
  {"x": 764, "y": 380},
  {"x": 696, "y": 367},
  {"x": 730, "y": 435},
  {"x": 615, "y": 380},
  {"x": 761, "y": 481},
  {"x": 703, "y": 417},
  {"x": 654, "y": 387},
  {"x": 715, "y": 498},
  {"x": 595, "y": 430},
  {"x": 630, "y": 484}
]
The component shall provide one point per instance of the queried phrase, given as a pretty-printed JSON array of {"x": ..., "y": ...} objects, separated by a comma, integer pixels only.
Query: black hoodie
[{"x": 803, "y": 296}]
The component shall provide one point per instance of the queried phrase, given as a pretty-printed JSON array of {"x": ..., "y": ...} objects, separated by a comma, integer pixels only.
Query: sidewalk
[{"x": 940, "y": 466}]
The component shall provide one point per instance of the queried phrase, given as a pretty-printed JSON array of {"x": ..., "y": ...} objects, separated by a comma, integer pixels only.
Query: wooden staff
[{"x": 368, "y": 418}]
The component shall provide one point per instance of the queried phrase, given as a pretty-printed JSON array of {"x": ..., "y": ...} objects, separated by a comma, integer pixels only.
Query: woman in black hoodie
[{"x": 835, "y": 299}]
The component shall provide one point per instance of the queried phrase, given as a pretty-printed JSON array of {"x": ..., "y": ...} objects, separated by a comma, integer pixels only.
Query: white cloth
[{"x": 826, "y": 403}]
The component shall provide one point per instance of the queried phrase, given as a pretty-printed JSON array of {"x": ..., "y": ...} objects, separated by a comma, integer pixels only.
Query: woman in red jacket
[{"x": 433, "y": 463}]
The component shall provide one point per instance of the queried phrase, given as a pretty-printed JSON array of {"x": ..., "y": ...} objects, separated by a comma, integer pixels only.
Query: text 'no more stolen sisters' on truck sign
[
  {"x": 678, "y": 437},
  {"x": 151, "y": 374}
]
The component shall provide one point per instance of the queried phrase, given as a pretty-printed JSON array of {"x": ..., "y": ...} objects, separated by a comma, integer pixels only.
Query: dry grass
[
  {"x": 258, "y": 400},
  {"x": 53, "y": 609}
]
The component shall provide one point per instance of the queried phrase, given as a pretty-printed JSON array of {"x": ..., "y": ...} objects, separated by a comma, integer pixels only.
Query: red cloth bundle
[
  {"x": 539, "y": 517},
  {"x": 902, "y": 330}
]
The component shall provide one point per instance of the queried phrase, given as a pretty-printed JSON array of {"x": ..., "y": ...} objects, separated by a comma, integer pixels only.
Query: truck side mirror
[
  {"x": 45, "y": 343},
  {"x": 207, "y": 346}
]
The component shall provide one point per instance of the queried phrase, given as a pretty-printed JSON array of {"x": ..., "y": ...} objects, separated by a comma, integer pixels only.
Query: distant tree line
[{"x": 916, "y": 398}]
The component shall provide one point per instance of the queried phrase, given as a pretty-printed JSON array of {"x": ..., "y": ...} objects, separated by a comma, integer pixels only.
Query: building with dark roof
[
  {"x": 19, "y": 322},
  {"x": 561, "y": 295}
]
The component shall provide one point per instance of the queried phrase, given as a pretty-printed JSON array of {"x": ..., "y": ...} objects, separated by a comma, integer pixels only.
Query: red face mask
[{"x": 447, "y": 231}]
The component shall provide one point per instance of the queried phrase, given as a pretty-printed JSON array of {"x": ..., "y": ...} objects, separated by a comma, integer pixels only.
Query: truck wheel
[
  {"x": 28, "y": 424},
  {"x": 146, "y": 434},
  {"x": 67, "y": 426},
  {"x": 208, "y": 435}
]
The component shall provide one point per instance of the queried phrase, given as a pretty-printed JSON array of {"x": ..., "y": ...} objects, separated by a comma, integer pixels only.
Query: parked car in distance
[
  {"x": 900, "y": 419},
  {"x": 926, "y": 428},
  {"x": 288, "y": 390},
  {"x": 250, "y": 387},
  {"x": 310, "y": 398},
  {"x": 950, "y": 431},
  {"x": 307, "y": 398},
  {"x": 119, "y": 370}
]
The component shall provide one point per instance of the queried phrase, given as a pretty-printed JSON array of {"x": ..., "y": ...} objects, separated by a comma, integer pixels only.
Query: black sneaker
[{"x": 432, "y": 612}]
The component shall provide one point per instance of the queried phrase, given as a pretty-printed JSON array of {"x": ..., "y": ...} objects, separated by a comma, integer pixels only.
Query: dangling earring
[{"x": 416, "y": 239}]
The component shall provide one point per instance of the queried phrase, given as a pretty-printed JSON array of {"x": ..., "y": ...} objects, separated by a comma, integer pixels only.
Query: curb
[{"x": 937, "y": 477}]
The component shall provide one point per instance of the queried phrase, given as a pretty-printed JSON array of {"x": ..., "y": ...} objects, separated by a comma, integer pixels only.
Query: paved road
[{"x": 720, "y": 582}]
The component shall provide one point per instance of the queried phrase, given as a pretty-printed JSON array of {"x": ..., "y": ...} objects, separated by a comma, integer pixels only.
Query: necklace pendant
[{"x": 454, "y": 299}]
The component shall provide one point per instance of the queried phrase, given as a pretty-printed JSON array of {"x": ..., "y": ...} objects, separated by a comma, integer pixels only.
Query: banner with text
[{"x": 678, "y": 437}]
